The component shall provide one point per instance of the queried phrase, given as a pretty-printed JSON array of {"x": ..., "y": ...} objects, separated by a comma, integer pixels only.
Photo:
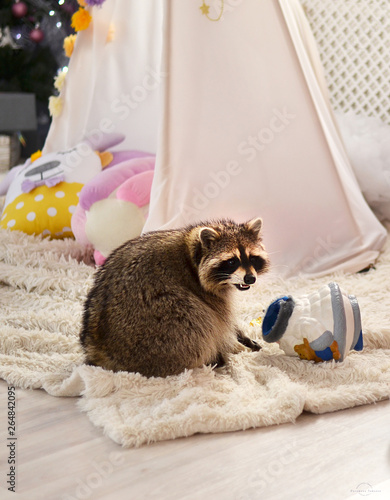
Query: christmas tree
[{"x": 32, "y": 33}]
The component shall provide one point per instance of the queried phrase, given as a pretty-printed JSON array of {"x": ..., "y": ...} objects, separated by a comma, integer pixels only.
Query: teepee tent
[{"x": 231, "y": 98}]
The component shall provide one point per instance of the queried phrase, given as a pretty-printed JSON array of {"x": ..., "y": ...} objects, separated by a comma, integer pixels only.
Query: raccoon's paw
[
  {"x": 255, "y": 346},
  {"x": 238, "y": 347},
  {"x": 246, "y": 341}
]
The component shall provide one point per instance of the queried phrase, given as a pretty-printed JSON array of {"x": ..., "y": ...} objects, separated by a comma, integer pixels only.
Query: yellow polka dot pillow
[{"x": 43, "y": 194}]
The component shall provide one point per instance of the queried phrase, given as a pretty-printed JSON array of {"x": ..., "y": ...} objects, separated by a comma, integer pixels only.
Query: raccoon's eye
[
  {"x": 232, "y": 262},
  {"x": 229, "y": 266},
  {"x": 257, "y": 262}
]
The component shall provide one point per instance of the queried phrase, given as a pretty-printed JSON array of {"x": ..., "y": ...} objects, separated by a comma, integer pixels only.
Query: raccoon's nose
[{"x": 249, "y": 279}]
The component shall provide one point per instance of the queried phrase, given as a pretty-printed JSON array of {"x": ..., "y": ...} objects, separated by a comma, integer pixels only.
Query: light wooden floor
[{"x": 61, "y": 455}]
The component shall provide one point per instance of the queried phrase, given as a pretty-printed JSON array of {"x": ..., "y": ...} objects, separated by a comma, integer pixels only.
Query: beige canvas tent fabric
[
  {"x": 114, "y": 78},
  {"x": 248, "y": 132},
  {"x": 245, "y": 124}
]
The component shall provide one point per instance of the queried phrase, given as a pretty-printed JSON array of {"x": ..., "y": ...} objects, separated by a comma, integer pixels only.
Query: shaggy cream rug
[{"x": 42, "y": 287}]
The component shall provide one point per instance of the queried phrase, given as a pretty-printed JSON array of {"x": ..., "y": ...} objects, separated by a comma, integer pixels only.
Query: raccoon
[{"x": 162, "y": 302}]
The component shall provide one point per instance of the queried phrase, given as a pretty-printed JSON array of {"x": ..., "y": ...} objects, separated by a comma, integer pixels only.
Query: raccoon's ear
[
  {"x": 207, "y": 235},
  {"x": 255, "y": 225}
]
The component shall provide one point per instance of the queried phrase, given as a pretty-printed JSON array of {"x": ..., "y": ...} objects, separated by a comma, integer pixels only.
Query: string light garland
[{"x": 37, "y": 20}]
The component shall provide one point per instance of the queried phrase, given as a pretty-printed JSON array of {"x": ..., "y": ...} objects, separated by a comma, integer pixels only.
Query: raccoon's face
[
  {"x": 231, "y": 255},
  {"x": 240, "y": 269}
]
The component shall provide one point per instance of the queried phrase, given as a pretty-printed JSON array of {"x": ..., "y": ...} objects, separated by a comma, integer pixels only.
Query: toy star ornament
[{"x": 205, "y": 9}]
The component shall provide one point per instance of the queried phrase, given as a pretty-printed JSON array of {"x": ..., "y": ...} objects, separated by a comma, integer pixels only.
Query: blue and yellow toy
[{"x": 321, "y": 326}]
